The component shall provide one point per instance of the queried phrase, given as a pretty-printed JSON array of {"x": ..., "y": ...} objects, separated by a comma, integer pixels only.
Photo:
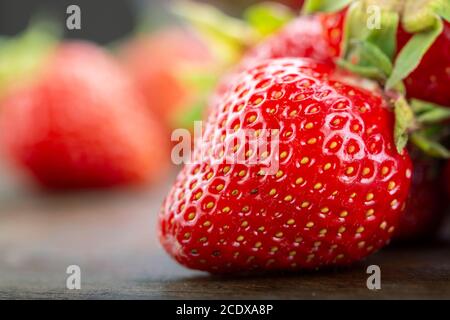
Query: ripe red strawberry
[
  {"x": 426, "y": 202},
  {"x": 81, "y": 124},
  {"x": 317, "y": 37},
  {"x": 336, "y": 196},
  {"x": 157, "y": 62},
  {"x": 430, "y": 80}
]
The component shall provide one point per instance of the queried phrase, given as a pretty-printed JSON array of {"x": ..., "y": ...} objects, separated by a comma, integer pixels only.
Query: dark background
[{"x": 102, "y": 21}]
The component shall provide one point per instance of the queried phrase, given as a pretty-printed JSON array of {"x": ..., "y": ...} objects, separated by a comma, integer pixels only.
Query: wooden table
[{"x": 111, "y": 236}]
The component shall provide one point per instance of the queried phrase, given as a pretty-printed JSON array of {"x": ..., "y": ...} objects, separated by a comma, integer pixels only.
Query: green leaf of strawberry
[
  {"x": 361, "y": 26},
  {"x": 232, "y": 35},
  {"x": 312, "y": 6},
  {"x": 411, "y": 55},
  {"x": 370, "y": 52},
  {"x": 429, "y": 146},
  {"x": 368, "y": 46},
  {"x": 404, "y": 123},
  {"x": 374, "y": 56},
  {"x": 227, "y": 36},
  {"x": 365, "y": 71},
  {"x": 445, "y": 12},
  {"x": 420, "y": 15},
  {"x": 22, "y": 56},
  {"x": 429, "y": 113},
  {"x": 268, "y": 17}
]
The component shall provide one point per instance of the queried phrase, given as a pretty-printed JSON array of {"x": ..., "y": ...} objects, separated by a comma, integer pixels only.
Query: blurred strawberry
[
  {"x": 158, "y": 63},
  {"x": 80, "y": 123},
  {"x": 410, "y": 46},
  {"x": 236, "y": 6},
  {"x": 317, "y": 37},
  {"x": 294, "y": 4},
  {"x": 426, "y": 202}
]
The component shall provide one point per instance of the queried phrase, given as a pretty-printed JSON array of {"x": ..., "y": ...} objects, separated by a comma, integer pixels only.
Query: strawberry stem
[{"x": 405, "y": 123}]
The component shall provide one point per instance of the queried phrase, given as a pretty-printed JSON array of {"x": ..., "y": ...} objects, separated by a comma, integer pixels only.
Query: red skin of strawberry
[
  {"x": 426, "y": 202},
  {"x": 294, "y": 4},
  {"x": 317, "y": 37},
  {"x": 81, "y": 124},
  {"x": 154, "y": 62},
  {"x": 430, "y": 80},
  {"x": 338, "y": 194}
]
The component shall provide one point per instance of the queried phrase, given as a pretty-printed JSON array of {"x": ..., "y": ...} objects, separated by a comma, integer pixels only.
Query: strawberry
[
  {"x": 294, "y": 4},
  {"x": 331, "y": 194},
  {"x": 317, "y": 37},
  {"x": 429, "y": 81},
  {"x": 416, "y": 42},
  {"x": 426, "y": 202},
  {"x": 157, "y": 62},
  {"x": 80, "y": 123}
]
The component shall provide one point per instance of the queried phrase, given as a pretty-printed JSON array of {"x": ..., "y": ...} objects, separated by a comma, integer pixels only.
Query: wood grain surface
[{"x": 112, "y": 237}]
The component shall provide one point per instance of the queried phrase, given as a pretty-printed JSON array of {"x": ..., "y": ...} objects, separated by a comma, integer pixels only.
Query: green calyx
[
  {"x": 370, "y": 34},
  {"x": 312, "y": 6},
  {"x": 230, "y": 37},
  {"x": 369, "y": 49},
  {"x": 415, "y": 15},
  {"x": 429, "y": 113},
  {"x": 431, "y": 118},
  {"x": 227, "y": 36},
  {"x": 405, "y": 123},
  {"x": 377, "y": 21},
  {"x": 265, "y": 18},
  {"x": 411, "y": 54},
  {"x": 422, "y": 123},
  {"x": 420, "y": 15},
  {"x": 22, "y": 56},
  {"x": 429, "y": 145}
]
